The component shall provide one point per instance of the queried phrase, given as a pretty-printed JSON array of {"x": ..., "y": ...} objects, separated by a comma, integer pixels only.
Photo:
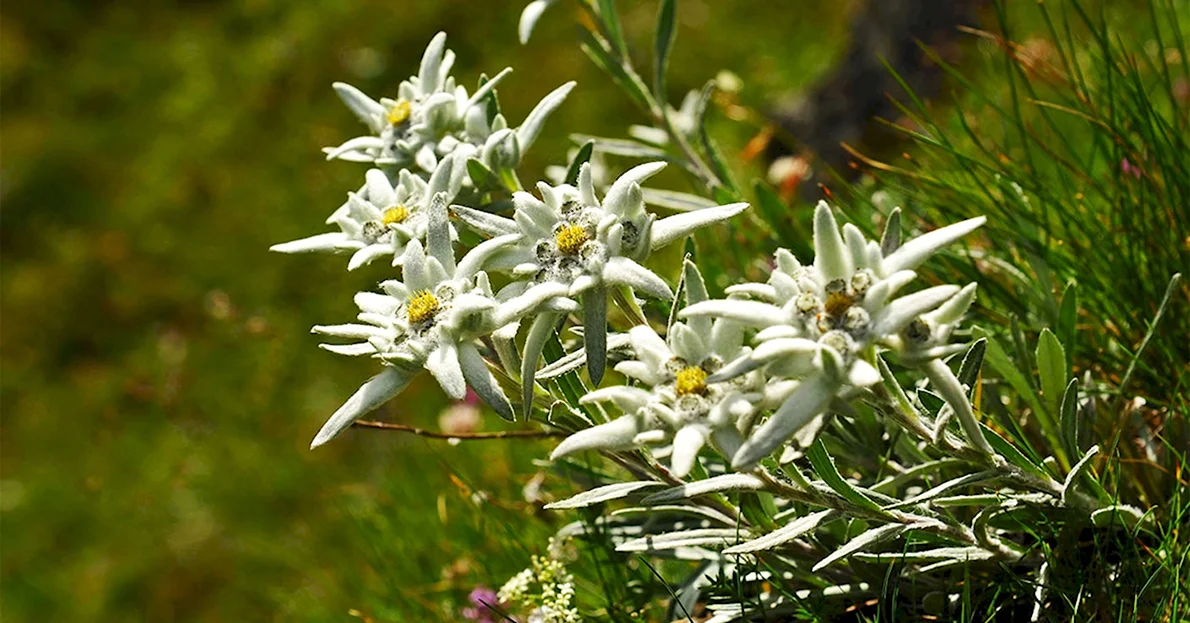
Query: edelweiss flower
[
  {"x": 430, "y": 319},
  {"x": 381, "y": 219},
  {"x": 819, "y": 323},
  {"x": 570, "y": 237},
  {"x": 431, "y": 117},
  {"x": 676, "y": 401}
]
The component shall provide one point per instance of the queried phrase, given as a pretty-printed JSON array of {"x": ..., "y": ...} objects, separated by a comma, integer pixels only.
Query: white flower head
[
  {"x": 675, "y": 400},
  {"x": 430, "y": 318},
  {"x": 571, "y": 237},
  {"x": 432, "y": 116},
  {"x": 819, "y": 323},
  {"x": 381, "y": 219}
]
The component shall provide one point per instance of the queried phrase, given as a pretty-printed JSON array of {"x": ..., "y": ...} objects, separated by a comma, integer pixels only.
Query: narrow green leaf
[
  {"x": 1051, "y": 369},
  {"x": 582, "y": 157},
  {"x": 1007, "y": 370},
  {"x": 611, "y": 25},
  {"x": 1010, "y": 452},
  {"x": 481, "y": 176},
  {"x": 867, "y": 539},
  {"x": 774, "y": 212},
  {"x": 666, "y": 16},
  {"x": 824, "y": 466},
  {"x": 622, "y": 147},
  {"x": 1068, "y": 321},
  {"x": 674, "y": 200},
  {"x": 1069, "y": 418},
  {"x": 594, "y": 50},
  {"x": 891, "y": 239},
  {"x": 972, "y": 363}
]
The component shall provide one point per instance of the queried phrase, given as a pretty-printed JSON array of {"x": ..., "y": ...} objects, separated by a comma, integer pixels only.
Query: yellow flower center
[
  {"x": 399, "y": 112},
  {"x": 422, "y": 306},
  {"x": 837, "y": 303},
  {"x": 570, "y": 239},
  {"x": 396, "y": 214},
  {"x": 691, "y": 380}
]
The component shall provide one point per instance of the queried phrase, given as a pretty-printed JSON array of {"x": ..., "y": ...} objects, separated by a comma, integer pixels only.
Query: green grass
[{"x": 159, "y": 384}]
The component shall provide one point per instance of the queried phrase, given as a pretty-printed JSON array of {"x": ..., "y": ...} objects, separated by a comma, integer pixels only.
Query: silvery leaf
[
  {"x": 602, "y": 494},
  {"x": 782, "y": 535},
  {"x": 717, "y": 484},
  {"x": 684, "y": 538}
]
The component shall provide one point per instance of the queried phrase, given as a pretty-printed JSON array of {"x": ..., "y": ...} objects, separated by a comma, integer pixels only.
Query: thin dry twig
[{"x": 421, "y": 432}]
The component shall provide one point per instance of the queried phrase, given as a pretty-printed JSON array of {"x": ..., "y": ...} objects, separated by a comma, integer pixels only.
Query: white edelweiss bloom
[
  {"x": 675, "y": 401},
  {"x": 431, "y": 318},
  {"x": 432, "y": 116},
  {"x": 819, "y": 323},
  {"x": 381, "y": 219},
  {"x": 571, "y": 237}
]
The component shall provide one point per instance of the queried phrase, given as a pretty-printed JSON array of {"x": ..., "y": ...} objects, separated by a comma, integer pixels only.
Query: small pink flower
[
  {"x": 1128, "y": 168},
  {"x": 483, "y": 599}
]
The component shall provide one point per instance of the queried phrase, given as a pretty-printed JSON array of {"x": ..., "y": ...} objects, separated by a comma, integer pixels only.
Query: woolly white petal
[
  {"x": 367, "y": 254},
  {"x": 621, "y": 198},
  {"x": 640, "y": 371},
  {"x": 627, "y": 399},
  {"x": 373, "y": 303},
  {"x": 443, "y": 363},
  {"x": 529, "y": 18},
  {"x": 377, "y": 391},
  {"x": 752, "y": 313},
  {"x": 623, "y": 271},
  {"x": 679, "y": 226},
  {"x": 614, "y": 435},
  {"x": 687, "y": 442},
  {"x": 911, "y": 254},
  {"x": 952, "y": 310},
  {"x": 832, "y": 258},
  {"x": 903, "y": 310},
  {"x": 359, "y": 143},
  {"x": 367, "y": 109},
  {"x": 686, "y": 343},
  {"x": 529, "y": 301},
  {"x": 334, "y": 241},
  {"x": 357, "y": 331},
  {"x": 477, "y": 257},
  {"x": 485, "y": 222},
  {"x": 806, "y": 402},
  {"x": 527, "y": 133},
  {"x": 475, "y": 371},
  {"x": 649, "y": 347}
]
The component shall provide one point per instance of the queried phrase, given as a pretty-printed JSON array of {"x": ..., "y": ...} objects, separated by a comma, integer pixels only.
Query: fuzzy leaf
[
  {"x": 662, "y": 44},
  {"x": 825, "y": 468},
  {"x": 582, "y": 157},
  {"x": 783, "y": 535},
  {"x": 1051, "y": 369},
  {"x": 717, "y": 484},
  {"x": 867, "y": 539},
  {"x": 685, "y": 538},
  {"x": 602, "y": 494}
]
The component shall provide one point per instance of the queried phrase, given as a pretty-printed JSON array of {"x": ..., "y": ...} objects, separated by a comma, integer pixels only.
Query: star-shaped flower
[
  {"x": 819, "y": 323},
  {"x": 676, "y": 401},
  {"x": 432, "y": 117},
  {"x": 570, "y": 237},
  {"x": 381, "y": 219},
  {"x": 432, "y": 319}
]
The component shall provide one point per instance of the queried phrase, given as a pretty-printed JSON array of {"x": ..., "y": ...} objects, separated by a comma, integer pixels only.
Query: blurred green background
[{"x": 159, "y": 384}]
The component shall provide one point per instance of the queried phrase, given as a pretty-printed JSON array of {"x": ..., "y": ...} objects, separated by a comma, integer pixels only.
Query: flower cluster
[
  {"x": 816, "y": 331},
  {"x": 420, "y": 145},
  {"x": 562, "y": 251},
  {"x": 545, "y": 589}
]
